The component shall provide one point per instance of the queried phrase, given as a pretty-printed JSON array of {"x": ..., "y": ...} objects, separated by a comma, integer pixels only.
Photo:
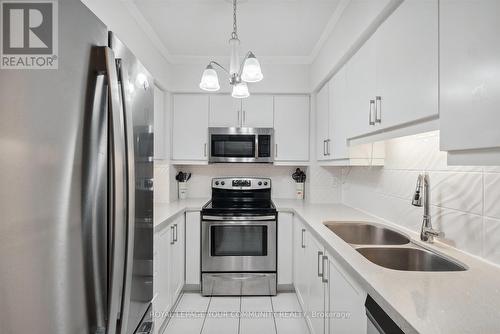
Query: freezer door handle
[{"x": 117, "y": 186}]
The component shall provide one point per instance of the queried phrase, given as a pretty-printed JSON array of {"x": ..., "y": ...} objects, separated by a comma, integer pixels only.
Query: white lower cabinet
[
  {"x": 333, "y": 301},
  {"x": 285, "y": 236},
  {"x": 193, "y": 247},
  {"x": 345, "y": 301},
  {"x": 168, "y": 277}
]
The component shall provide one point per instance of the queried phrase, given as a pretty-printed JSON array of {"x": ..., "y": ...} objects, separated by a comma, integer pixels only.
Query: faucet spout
[{"x": 422, "y": 197}]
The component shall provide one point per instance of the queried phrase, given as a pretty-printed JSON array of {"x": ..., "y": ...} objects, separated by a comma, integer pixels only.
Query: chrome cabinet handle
[
  {"x": 378, "y": 109},
  {"x": 175, "y": 232},
  {"x": 371, "y": 113},
  {"x": 244, "y": 118},
  {"x": 324, "y": 147},
  {"x": 303, "y": 241},
  {"x": 205, "y": 149},
  {"x": 328, "y": 147},
  {"x": 172, "y": 237},
  {"x": 239, "y": 118},
  {"x": 324, "y": 278},
  {"x": 320, "y": 264},
  {"x": 276, "y": 150}
]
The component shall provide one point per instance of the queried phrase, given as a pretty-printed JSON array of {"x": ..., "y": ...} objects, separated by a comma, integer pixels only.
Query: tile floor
[{"x": 196, "y": 314}]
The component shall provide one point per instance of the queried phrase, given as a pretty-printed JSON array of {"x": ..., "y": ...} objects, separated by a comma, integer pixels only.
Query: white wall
[
  {"x": 358, "y": 21},
  {"x": 278, "y": 78},
  {"x": 464, "y": 199},
  {"x": 118, "y": 18}
]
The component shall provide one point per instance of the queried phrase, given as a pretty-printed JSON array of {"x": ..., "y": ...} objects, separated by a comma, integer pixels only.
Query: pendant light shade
[
  {"x": 238, "y": 75},
  {"x": 240, "y": 91},
  {"x": 209, "y": 80},
  {"x": 251, "y": 69}
]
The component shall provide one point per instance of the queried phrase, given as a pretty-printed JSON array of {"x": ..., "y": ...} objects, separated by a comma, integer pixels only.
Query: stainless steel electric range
[{"x": 239, "y": 238}]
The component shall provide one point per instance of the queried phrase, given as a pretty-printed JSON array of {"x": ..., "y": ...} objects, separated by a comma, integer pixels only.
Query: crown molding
[
  {"x": 330, "y": 26},
  {"x": 148, "y": 29},
  {"x": 203, "y": 60}
]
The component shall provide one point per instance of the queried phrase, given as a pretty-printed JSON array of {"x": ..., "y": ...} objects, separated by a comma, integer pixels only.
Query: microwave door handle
[{"x": 256, "y": 146}]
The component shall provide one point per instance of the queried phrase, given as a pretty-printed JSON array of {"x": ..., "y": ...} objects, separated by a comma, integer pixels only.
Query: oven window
[
  {"x": 237, "y": 146},
  {"x": 238, "y": 240}
]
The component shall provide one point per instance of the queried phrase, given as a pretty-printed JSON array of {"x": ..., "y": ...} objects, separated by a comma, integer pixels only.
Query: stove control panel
[{"x": 244, "y": 183}]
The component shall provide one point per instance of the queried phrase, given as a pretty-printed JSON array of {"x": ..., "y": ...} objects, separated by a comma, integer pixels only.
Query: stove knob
[
  {"x": 223, "y": 183},
  {"x": 216, "y": 183},
  {"x": 260, "y": 183},
  {"x": 265, "y": 183}
]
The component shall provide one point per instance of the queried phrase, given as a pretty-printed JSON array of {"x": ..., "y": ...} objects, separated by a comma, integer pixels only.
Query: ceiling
[{"x": 288, "y": 31}]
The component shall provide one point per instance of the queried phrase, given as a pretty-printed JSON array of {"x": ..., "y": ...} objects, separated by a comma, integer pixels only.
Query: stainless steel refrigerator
[{"x": 76, "y": 187}]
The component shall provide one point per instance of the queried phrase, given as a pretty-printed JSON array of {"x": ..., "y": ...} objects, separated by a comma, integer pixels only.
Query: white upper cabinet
[
  {"x": 225, "y": 111},
  {"x": 339, "y": 120},
  {"x": 257, "y": 111},
  {"x": 407, "y": 64},
  {"x": 291, "y": 128},
  {"x": 470, "y": 81},
  {"x": 190, "y": 127},
  {"x": 322, "y": 123},
  {"x": 361, "y": 87}
]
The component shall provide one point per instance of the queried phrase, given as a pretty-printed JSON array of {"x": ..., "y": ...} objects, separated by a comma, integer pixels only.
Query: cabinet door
[
  {"x": 285, "y": 244},
  {"x": 193, "y": 240},
  {"x": 177, "y": 258},
  {"x": 257, "y": 111},
  {"x": 339, "y": 120},
  {"x": 300, "y": 262},
  {"x": 160, "y": 128},
  {"x": 190, "y": 127},
  {"x": 345, "y": 301},
  {"x": 291, "y": 128},
  {"x": 163, "y": 300},
  {"x": 322, "y": 121},
  {"x": 360, "y": 81},
  {"x": 470, "y": 74},
  {"x": 316, "y": 305},
  {"x": 407, "y": 63},
  {"x": 225, "y": 111}
]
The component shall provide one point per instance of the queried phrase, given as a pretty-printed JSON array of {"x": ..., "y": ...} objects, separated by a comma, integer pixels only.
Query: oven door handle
[{"x": 238, "y": 218}]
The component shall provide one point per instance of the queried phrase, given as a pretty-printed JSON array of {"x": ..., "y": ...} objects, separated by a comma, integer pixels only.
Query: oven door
[{"x": 239, "y": 244}]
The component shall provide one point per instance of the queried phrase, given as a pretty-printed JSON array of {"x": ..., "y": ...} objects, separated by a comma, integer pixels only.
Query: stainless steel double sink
[{"x": 389, "y": 248}]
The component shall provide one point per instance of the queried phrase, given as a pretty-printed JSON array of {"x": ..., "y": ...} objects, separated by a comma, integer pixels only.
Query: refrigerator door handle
[
  {"x": 130, "y": 188},
  {"x": 117, "y": 193}
]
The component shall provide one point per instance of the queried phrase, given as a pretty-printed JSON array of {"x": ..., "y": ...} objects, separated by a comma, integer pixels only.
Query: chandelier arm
[{"x": 220, "y": 66}]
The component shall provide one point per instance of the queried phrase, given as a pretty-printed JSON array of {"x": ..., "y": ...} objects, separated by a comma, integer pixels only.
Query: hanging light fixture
[{"x": 238, "y": 74}]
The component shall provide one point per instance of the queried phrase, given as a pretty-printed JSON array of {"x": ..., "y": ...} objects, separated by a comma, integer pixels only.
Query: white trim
[
  {"x": 330, "y": 26},
  {"x": 148, "y": 29}
]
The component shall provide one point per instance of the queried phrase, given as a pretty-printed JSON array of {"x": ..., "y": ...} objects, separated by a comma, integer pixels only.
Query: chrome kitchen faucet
[{"x": 427, "y": 233}]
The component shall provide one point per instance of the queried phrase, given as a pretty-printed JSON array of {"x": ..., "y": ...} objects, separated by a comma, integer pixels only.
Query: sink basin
[
  {"x": 360, "y": 233},
  {"x": 408, "y": 259}
]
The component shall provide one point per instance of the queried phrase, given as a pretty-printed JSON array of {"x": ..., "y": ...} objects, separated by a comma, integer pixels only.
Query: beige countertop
[{"x": 419, "y": 302}]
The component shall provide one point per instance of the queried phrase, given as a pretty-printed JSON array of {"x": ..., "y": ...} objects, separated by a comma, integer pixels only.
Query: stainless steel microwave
[{"x": 241, "y": 145}]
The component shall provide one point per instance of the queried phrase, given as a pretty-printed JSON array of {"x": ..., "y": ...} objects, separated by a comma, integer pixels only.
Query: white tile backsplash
[{"x": 465, "y": 200}]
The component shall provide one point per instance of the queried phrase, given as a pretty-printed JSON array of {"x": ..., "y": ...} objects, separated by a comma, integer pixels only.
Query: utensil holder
[
  {"x": 299, "y": 190},
  {"x": 182, "y": 190}
]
